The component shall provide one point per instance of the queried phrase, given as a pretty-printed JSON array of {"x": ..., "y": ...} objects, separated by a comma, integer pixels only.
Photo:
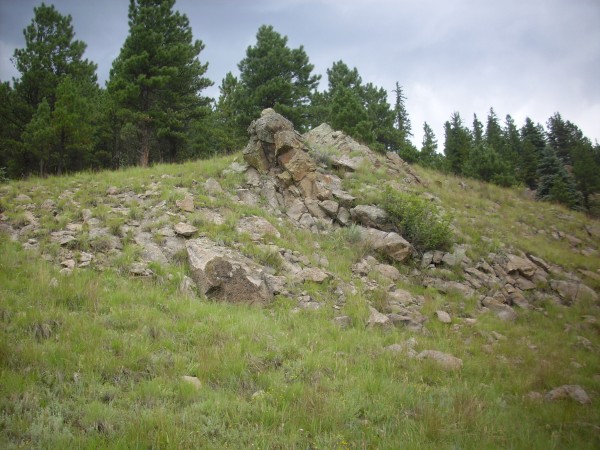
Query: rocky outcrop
[{"x": 224, "y": 274}]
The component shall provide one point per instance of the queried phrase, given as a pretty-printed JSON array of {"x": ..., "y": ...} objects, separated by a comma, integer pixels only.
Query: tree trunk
[
  {"x": 61, "y": 151},
  {"x": 145, "y": 148}
]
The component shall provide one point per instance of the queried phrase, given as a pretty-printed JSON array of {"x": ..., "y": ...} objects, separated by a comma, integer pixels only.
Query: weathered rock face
[
  {"x": 224, "y": 274},
  {"x": 390, "y": 244}
]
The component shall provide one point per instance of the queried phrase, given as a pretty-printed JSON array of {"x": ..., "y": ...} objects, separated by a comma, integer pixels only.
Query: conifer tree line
[{"x": 55, "y": 118}]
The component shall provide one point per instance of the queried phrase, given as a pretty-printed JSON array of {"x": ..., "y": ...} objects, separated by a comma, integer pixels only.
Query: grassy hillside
[{"x": 95, "y": 358}]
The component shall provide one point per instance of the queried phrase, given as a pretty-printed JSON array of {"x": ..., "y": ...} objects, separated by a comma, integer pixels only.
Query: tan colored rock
[
  {"x": 256, "y": 227},
  {"x": 390, "y": 244},
  {"x": 297, "y": 162},
  {"x": 331, "y": 207},
  {"x": 225, "y": 274},
  {"x": 520, "y": 265},
  {"x": 444, "y": 360},
  {"x": 185, "y": 229},
  {"x": 443, "y": 316},
  {"x": 213, "y": 187},
  {"x": 387, "y": 271},
  {"x": 569, "y": 391},
  {"x": 572, "y": 291},
  {"x": 313, "y": 274},
  {"x": 378, "y": 320},
  {"x": 370, "y": 216},
  {"x": 187, "y": 204}
]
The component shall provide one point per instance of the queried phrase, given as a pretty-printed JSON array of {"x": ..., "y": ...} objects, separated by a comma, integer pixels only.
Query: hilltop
[{"x": 306, "y": 292}]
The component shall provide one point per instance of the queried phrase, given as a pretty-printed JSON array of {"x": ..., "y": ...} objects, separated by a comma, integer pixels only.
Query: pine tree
[
  {"x": 274, "y": 76},
  {"x": 429, "y": 157},
  {"x": 157, "y": 79},
  {"x": 555, "y": 183},
  {"x": 457, "y": 143},
  {"x": 477, "y": 131},
  {"x": 51, "y": 52},
  {"x": 533, "y": 145},
  {"x": 50, "y": 59}
]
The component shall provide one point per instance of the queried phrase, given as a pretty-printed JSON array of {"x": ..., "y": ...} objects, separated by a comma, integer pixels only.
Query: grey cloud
[{"x": 523, "y": 58}]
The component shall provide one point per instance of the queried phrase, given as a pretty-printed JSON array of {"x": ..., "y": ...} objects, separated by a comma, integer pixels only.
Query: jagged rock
[
  {"x": 277, "y": 284},
  {"x": 252, "y": 177},
  {"x": 62, "y": 237},
  {"x": 342, "y": 321},
  {"x": 387, "y": 271},
  {"x": 211, "y": 216},
  {"x": 539, "y": 262},
  {"x": 569, "y": 391},
  {"x": 247, "y": 197},
  {"x": 297, "y": 162},
  {"x": 186, "y": 204},
  {"x": 260, "y": 152},
  {"x": 364, "y": 266},
  {"x": 389, "y": 244},
  {"x": 524, "y": 284},
  {"x": 313, "y": 274},
  {"x": 444, "y": 360},
  {"x": 68, "y": 264},
  {"x": 331, "y": 207},
  {"x": 185, "y": 229},
  {"x": 140, "y": 270},
  {"x": 377, "y": 319},
  {"x": 572, "y": 291},
  {"x": 151, "y": 251},
  {"x": 343, "y": 216},
  {"x": 502, "y": 311},
  {"x": 370, "y": 216},
  {"x": 256, "y": 227},
  {"x": 443, "y": 316},
  {"x": 213, "y": 187},
  {"x": 225, "y": 274},
  {"x": 85, "y": 259},
  {"x": 521, "y": 265},
  {"x": 402, "y": 297},
  {"x": 405, "y": 321}
]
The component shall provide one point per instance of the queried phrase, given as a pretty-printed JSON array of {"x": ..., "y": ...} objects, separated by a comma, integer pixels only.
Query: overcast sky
[{"x": 521, "y": 57}]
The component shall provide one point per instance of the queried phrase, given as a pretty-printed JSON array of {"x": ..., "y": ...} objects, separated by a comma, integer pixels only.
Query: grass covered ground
[{"x": 96, "y": 359}]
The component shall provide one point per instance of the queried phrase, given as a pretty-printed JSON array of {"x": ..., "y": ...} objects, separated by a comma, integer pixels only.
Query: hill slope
[{"x": 118, "y": 335}]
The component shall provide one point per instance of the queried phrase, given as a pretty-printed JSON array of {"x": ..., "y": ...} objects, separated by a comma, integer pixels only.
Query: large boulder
[
  {"x": 389, "y": 244},
  {"x": 224, "y": 274},
  {"x": 370, "y": 216}
]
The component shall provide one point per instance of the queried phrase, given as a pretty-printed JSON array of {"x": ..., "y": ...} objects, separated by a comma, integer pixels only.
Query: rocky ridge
[{"x": 299, "y": 180}]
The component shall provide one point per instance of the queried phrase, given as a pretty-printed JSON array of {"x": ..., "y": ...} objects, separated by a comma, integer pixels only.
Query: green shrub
[{"x": 420, "y": 221}]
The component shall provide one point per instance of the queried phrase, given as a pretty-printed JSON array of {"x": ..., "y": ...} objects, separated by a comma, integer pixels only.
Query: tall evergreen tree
[
  {"x": 274, "y": 76},
  {"x": 493, "y": 133},
  {"x": 429, "y": 157},
  {"x": 50, "y": 53},
  {"x": 51, "y": 58},
  {"x": 457, "y": 143},
  {"x": 157, "y": 79},
  {"x": 555, "y": 183},
  {"x": 533, "y": 145},
  {"x": 477, "y": 131}
]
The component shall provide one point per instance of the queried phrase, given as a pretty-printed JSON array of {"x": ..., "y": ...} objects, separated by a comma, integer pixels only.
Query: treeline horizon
[{"x": 57, "y": 119}]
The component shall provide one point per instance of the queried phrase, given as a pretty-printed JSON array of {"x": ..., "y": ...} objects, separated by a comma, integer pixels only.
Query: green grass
[{"x": 95, "y": 359}]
